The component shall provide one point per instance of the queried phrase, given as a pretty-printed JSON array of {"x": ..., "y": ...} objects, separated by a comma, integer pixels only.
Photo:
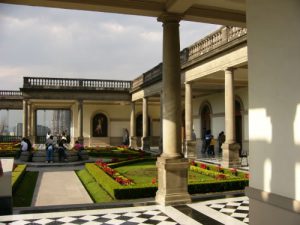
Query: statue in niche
[{"x": 99, "y": 125}]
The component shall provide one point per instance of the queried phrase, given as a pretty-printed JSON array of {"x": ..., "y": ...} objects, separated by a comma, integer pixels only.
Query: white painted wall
[{"x": 274, "y": 124}]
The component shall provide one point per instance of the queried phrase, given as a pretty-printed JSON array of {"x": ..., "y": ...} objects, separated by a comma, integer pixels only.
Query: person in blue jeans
[{"x": 49, "y": 149}]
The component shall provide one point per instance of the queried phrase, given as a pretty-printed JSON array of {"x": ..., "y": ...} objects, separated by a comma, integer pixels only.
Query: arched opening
[
  {"x": 139, "y": 125},
  {"x": 238, "y": 124},
  {"x": 205, "y": 115},
  {"x": 100, "y": 125}
]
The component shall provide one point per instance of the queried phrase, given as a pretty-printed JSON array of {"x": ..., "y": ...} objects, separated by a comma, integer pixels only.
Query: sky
[{"x": 48, "y": 42}]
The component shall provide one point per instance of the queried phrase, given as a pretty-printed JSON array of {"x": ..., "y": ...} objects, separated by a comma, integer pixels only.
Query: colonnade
[{"x": 172, "y": 165}]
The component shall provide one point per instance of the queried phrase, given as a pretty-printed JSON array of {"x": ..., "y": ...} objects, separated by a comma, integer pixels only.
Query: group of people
[
  {"x": 208, "y": 146},
  {"x": 25, "y": 146},
  {"x": 53, "y": 144}
]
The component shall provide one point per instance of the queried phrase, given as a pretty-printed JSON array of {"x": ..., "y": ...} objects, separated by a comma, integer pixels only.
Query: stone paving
[{"x": 59, "y": 188}]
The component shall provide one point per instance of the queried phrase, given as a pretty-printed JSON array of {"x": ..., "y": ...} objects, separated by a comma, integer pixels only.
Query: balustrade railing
[
  {"x": 39, "y": 82},
  {"x": 9, "y": 139},
  {"x": 220, "y": 37},
  {"x": 10, "y": 93},
  {"x": 213, "y": 41},
  {"x": 153, "y": 75}
]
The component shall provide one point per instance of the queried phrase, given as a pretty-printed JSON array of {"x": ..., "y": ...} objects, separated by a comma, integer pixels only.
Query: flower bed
[
  {"x": 114, "y": 174},
  {"x": 221, "y": 179},
  {"x": 115, "y": 189}
]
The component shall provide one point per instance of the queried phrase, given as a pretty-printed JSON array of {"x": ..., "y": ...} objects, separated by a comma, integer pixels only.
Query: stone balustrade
[
  {"x": 149, "y": 77},
  {"x": 211, "y": 42},
  {"x": 65, "y": 83},
  {"x": 10, "y": 93},
  {"x": 219, "y": 38}
]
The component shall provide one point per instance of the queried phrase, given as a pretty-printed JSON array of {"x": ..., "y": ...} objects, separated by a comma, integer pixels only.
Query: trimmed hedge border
[
  {"x": 116, "y": 190},
  {"x": 97, "y": 193},
  {"x": 17, "y": 175}
]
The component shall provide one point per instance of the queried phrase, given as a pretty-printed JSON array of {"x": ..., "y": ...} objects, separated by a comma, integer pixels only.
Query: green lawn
[
  {"x": 144, "y": 172},
  {"x": 22, "y": 196}
]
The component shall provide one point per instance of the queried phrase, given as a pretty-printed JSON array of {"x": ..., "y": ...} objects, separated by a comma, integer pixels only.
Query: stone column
[
  {"x": 80, "y": 122},
  {"x": 33, "y": 125},
  {"x": 145, "y": 138},
  {"x": 133, "y": 138},
  {"x": 190, "y": 144},
  {"x": 25, "y": 119},
  {"x": 29, "y": 121},
  {"x": 230, "y": 147},
  {"x": 161, "y": 124},
  {"x": 172, "y": 167}
]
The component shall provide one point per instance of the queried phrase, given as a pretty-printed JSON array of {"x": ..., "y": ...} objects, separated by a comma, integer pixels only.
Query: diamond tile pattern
[
  {"x": 236, "y": 209},
  {"x": 150, "y": 217}
]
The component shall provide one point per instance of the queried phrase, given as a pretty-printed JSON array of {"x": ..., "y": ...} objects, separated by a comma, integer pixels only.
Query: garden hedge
[
  {"x": 93, "y": 188},
  {"x": 116, "y": 190},
  {"x": 17, "y": 175}
]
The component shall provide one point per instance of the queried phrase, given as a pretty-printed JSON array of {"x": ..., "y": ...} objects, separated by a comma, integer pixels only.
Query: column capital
[
  {"x": 169, "y": 18},
  {"x": 229, "y": 69},
  {"x": 188, "y": 83}
]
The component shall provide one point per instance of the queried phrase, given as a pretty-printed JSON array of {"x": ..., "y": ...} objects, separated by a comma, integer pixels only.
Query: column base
[
  {"x": 146, "y": 144},
  {"x": 133, "y": 142},
  {"x": 172, "y": 181},
  {"x": 190, "y": 149},
  {"x": 230, "y": 155}
]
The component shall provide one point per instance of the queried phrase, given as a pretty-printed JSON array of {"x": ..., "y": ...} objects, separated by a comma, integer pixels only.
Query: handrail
[
  {"x": 213, "y": 41},
  {"x": 219, "y": 38},
  {"x": 46, "y": 82},
  {"x": 10, "y": 93}
]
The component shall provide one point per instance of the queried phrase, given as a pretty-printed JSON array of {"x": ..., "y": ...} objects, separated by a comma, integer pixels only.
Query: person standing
[
  {"x": 49, "y": 149},
  {"x": 221, "y": 140},
  {"x": 125, "y": 137}
]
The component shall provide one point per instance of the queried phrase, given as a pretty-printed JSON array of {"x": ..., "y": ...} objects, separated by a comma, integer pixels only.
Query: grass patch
[
  {"x": 144, "y": 172},
  {"x": 97, "y": 193},
  {"x": 140, "y": 173},
  {"x": 23, "y": 194},
  {"x": 202, "y": 178}
]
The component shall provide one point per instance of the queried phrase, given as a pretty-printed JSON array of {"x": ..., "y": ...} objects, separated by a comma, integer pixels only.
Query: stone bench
[{"x": 40, "y": 156}]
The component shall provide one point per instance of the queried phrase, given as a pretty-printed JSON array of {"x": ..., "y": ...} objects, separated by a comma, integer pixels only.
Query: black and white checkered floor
[{"x": 233, "y": 211}]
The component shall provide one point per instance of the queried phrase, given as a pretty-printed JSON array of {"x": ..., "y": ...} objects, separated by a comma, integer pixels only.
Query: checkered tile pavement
[
  {"x": 152, "y": 217},
  {"x": 236, "y": 209},
  {"x": 227, "y": 211}
]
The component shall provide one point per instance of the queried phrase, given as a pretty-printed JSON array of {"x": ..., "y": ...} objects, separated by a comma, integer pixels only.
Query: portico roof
[{"x": 226, "y": 12}]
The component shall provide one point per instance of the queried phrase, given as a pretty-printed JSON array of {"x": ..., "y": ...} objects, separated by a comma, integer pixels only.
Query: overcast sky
[{"x": 50, "y": 42}]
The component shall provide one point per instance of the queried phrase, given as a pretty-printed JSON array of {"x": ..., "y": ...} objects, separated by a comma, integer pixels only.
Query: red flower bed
[{"x": 113, "y": 173}]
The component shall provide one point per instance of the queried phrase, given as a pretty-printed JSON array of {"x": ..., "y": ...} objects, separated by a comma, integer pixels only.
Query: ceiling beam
[
  {"x": 216, "y": 16},
  {"x": 141, "y": 7},
  {"x": 179, "y": 6}
]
